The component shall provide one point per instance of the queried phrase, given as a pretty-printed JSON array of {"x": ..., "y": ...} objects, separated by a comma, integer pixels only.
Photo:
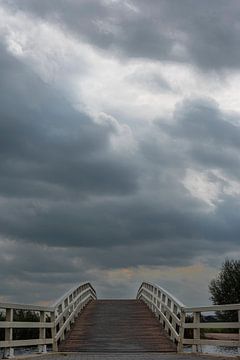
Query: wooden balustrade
[
  {"x": 199, "y": 325},
  {"x": 177, "y": 319},
  {"x": 58, "y": 318},
  {"x": 165, "y": 306},
  {"x": 184, "y": 325}
]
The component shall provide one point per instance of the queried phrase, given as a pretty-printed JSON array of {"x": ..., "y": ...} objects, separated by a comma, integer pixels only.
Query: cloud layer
[
  {"x": 119, "y": 148},
  {"x": 202, "y": 34}
]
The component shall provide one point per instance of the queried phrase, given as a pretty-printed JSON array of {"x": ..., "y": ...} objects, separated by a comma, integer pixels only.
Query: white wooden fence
[
  {"x": 177, "y": 319},
  {"x": 58, "y": 318}
]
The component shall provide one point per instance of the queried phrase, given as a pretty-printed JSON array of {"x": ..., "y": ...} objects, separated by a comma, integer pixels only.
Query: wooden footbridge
[{"x": 78, "y": 322}]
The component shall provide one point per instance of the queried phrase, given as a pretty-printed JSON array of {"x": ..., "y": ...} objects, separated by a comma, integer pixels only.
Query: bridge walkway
[
  {"x": 126, "y": 356},
  {"x": 117, "y": 326}
]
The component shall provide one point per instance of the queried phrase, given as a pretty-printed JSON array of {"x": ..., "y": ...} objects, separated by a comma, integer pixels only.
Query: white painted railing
[
  {"x": 58, "y": 318},
  {"x": 166, "y": 308},
  {"x": 184, "y": 325},
  {"x": 177, "y": 319},
  {"x": 198, "y": 322}
]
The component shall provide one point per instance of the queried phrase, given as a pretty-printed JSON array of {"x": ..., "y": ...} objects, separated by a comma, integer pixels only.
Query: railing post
[
  {"x": 62, "y": 320},
  {"x": 167, "y": 317},
  {"x": 42, "y": 334},
  {"x": 174, "y": 326},
  {"x": 9, "y": 352},
  {"x": 196, "y": 331},
  {"x": 181, "y": 330},
  {"x": 53, "y": 331}
]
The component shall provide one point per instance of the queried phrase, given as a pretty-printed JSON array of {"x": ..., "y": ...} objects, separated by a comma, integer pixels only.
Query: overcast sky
[{"x": 119, "y": 145}]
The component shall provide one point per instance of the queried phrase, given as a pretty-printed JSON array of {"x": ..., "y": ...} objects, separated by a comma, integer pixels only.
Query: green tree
[{"x": 225, "y": 288}]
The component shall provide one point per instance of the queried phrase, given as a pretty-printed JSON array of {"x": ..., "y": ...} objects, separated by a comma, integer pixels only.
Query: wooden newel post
[
  {"x": 55, "y": 345},
  {"x": 196, "y": 331},
  {"x": 42, "y": 348},
  {"x": 9, "y": 352},
  {"x": 181, "y": 331}
]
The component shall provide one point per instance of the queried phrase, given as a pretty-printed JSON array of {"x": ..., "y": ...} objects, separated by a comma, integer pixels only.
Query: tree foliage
[{"x": 225, "y": 288}]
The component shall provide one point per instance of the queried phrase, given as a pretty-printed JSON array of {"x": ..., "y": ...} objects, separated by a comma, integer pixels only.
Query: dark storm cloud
[
  {"x": 200, "y": 33},
  {"x": 203, "y": 120},
  {"x": 209, "y": 137},
  {"x": 47, "y": 143},
  {"x": 156, "y": 211},
  {"x": 50, "y": 151},
  {"x": 71, "y": 205}
]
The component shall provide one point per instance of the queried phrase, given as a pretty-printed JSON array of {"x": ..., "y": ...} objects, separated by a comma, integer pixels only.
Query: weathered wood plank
[{"x": 117, "y": 326}]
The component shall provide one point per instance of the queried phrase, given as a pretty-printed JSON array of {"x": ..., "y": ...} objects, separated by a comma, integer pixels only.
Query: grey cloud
[
  {"x": 151, "y": 80},
  {"x": 203, "y": 120},
  {"x": 70, "y": 164},
  {"x": 28, "y": 273},
  {"x": 208, "y": 136},
  {"x": 70, "y": 205},
  {"x": 38, "y": 147},
  {"x": 202, "y": 34},
  {"x": 133, "y": 225}
]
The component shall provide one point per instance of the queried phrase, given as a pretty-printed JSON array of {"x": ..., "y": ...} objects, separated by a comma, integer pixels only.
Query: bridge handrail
[
  {"x": 71, "y": 291},
  {"x": 170, "y": 296},
  {"x": 58, "y": 317},
  {"x": 225, "y": 307},
  {"x": 165, "y": 306},
  {"x": 176, "y": 322},
  {"x": 196, "y": 324},
  {"x": 69, "y": 306},
  {"x": 19, "y": 306}
]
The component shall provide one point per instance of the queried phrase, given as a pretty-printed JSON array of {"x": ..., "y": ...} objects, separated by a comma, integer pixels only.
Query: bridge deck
[
  {"x": 125, "y": 356},
  {"x": 117, "y": 326}
]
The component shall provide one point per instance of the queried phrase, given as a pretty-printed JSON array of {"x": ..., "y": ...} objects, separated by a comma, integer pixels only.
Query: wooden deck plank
[
  {"x": 124, "y": 356},
  {"x": 117, "y": 326}
]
